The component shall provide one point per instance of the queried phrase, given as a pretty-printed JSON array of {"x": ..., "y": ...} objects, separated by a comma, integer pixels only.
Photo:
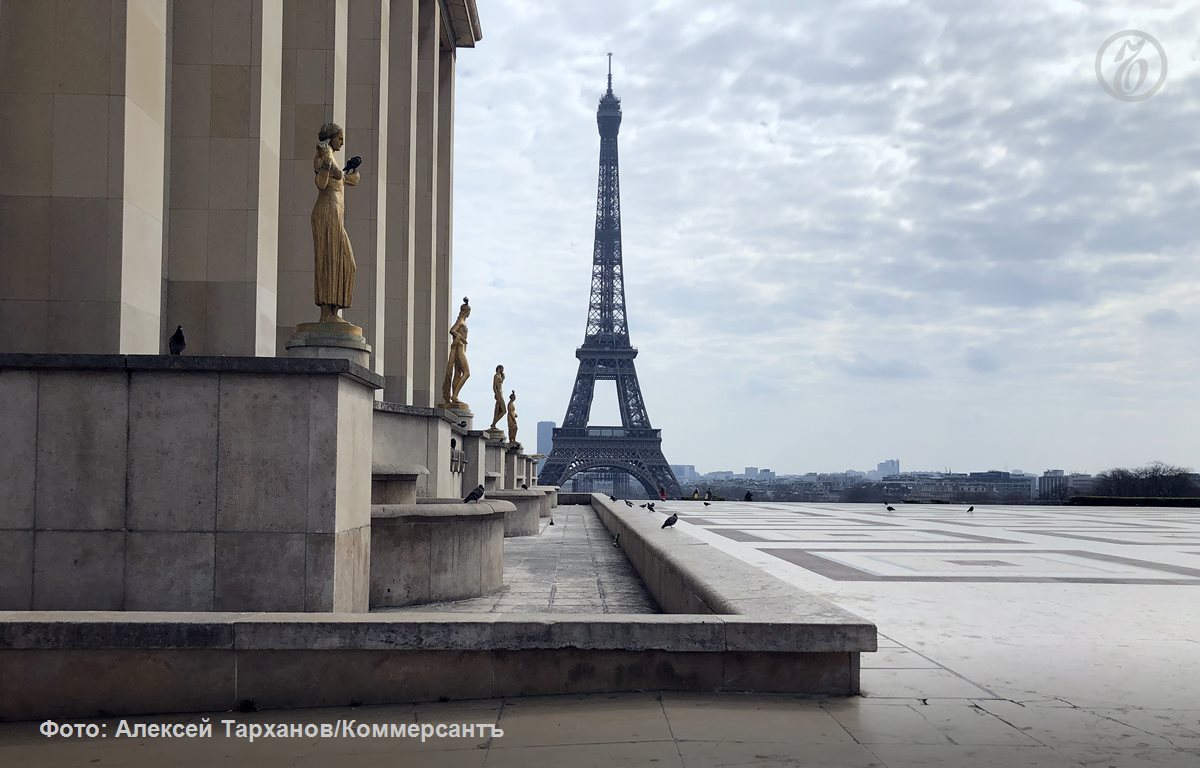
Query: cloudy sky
[{"x": 852, "y": 231}]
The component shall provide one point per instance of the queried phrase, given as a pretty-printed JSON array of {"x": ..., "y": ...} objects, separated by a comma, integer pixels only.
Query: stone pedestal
[
  {"x": 343, "y": 341},
  {"x": 494, "y": 434},
  {"x": 461, "y": 413}
]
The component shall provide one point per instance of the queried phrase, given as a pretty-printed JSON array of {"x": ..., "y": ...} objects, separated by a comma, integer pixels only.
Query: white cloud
[{"x": 925, "y": 222}]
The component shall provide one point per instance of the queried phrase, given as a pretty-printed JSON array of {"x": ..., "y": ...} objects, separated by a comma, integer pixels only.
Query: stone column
[
  {"x": 474, "y": 447},
  {"x": 399, "y": 202},
  {"x": 510, "y": 466},
  {"x": 367, "y": 135},
  {"x": 313, "y": 92},
  {"x": 84, "y": 107},
  {"x": 444, "y": 303},
  {"x": 222, "y": 262},
  {"x": 426, "y": 369}
]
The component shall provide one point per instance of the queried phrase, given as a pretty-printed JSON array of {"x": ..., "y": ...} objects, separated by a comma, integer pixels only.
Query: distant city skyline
[{"x": 934, "y": 236}]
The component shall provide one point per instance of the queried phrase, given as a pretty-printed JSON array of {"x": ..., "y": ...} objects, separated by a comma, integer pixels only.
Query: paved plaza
[
  {"x": 1010, "y": 636},
  {"x": 572, "y": 567}
]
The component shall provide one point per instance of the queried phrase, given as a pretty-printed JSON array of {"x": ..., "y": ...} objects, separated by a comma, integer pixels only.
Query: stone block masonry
[{"x": 185, "y": 483}]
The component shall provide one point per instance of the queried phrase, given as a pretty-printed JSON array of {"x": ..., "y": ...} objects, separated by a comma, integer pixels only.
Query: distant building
[
  {"x": 751, "y": 472},
  {"x": 1052, "y": 484},
  {"x": 1079, "y": 484},
  {"x": 545, "y": 440},
  {"x": 685, "y": 473},
  {"x": 766, "y": 475},
  {"x": 889, "y": 467}
]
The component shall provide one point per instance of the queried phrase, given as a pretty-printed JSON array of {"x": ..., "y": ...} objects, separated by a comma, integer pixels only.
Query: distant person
[
  {"x": 662, "y": 493},
  {"x": 749, "y": 496},
  {"x": 708, "y": 494},
  {"x": 695, "y": 494}
]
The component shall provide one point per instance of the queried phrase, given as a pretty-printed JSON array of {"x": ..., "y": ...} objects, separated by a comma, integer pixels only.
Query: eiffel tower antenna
[{"x": 635, "y": 447}]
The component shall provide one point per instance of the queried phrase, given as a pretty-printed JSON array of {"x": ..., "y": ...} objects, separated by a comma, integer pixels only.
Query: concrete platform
[
  {"x": 523, "y": 521},
  {"x": 748, "y": 633},
  {"x": 423, "y": 553},
  {"x": 572, "y": 568},
  {"x": 993, "y": 673}
]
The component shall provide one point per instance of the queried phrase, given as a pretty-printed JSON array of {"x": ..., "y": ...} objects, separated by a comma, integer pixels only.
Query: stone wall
[
  {"x": 415, "y": 435},
  {"x": 184, "y": 484}
]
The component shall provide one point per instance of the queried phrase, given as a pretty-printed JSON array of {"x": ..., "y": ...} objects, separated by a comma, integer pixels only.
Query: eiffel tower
[{"x": 635, "y": 447}]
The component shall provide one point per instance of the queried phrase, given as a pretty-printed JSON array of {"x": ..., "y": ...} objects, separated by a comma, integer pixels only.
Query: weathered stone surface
[
  {"x": 432, "y": 552},
  {"x": 16, "y": 573},
  {"x": 81, "y": 450},
  {"x": 18, "y": 452},
  {"x": 273, "y": 679},
  {"x": 263, "y": 474},
  {"x": 257, "y": 571},
  {"x": 524, "y": 673},
  {"x": 56, "y": 683},
  {"x": 173, "y": 448},
  {"x": 523, "y": 521},
  {"x": 78, "y": 570},
  {"x": 169, "y": 571}
]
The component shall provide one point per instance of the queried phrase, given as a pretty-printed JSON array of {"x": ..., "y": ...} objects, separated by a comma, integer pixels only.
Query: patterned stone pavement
[
  {"x": 1047, "y": 637},
  {"x": 572, "y": 567}
]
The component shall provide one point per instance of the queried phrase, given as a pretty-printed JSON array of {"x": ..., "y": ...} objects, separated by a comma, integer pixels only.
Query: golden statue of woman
[
  {"x": 512, "y": 417},
  {"x": 334, "y": 274},
  {"x": 498, "y": 393},
  {"x": 457, "y": 370}
]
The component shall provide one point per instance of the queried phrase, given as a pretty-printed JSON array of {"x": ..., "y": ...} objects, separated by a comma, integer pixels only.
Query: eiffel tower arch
[{"x": 634, "y": 447}]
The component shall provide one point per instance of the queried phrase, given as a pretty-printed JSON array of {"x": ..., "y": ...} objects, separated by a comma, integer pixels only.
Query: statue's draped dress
[{"x": 334, "y": 276}]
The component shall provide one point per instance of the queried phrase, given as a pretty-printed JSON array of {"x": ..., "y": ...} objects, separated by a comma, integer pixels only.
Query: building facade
[{"x": 165, "y": 150}]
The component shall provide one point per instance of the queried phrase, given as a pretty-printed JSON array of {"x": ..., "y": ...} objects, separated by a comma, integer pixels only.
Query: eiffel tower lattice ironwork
[{"x": 635, "y": 447}]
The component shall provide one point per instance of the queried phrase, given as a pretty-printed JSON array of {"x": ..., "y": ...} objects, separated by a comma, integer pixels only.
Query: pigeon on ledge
[
  {"x": 176, "y": 344},
  {"x": 474, "y": 495},
  {"x": 670, "y": 521}
]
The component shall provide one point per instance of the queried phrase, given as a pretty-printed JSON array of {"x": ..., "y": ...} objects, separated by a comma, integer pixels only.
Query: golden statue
[
  {"x": 498, "y": 393},
  {"x": 457, "y": 370},
  {"x": 334, "y": 273},
  {"x": 512, "y": 417}
]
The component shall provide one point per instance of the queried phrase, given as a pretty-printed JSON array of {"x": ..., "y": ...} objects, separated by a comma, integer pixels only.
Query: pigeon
[
  {"x": 524, "y": 486},
  {"x": 628, "y": 503},
  {"x": 650, "y": 506},
  {"x": 616, "y": 540},
  {"x": 611, "y": 497},
  {"x": 474, "y": 495},
  {"x": 176, "y": 344},
  {"x": 352, "y": 163},
  {"x": 462, "y": 424},
  {"x": 971, "y": 508},
  {"x": 670, "y": 520},
  {"x": 643, "y": 506},
  {"x": 707, "y": 504},
  {"x": 552, "y": 521},
  {"x": 890, "y": 508}
]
